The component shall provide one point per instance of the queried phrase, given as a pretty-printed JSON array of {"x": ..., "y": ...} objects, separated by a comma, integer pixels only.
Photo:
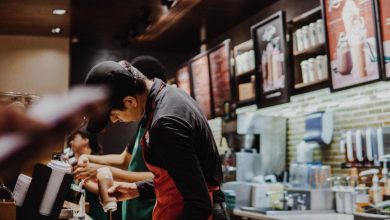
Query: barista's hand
[
  {"x": 86, "y": 171},
  {"x": 83, "y": 159},
  {"x": 123, "y": 191}
]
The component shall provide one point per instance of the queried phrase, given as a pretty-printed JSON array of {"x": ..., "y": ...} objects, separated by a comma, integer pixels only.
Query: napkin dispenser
[{"x": 319, "y": 128}]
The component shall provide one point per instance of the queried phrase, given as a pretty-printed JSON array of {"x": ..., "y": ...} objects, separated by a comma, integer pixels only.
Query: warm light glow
[
  {"x": 59, "y": 11},
  {"x": 56, "y": 30}
]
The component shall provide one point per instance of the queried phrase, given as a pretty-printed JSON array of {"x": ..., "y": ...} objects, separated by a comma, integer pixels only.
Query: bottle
[
  {"x": 385, "y": 181},
  {"x": 105, "y": 181},
  {"x": 362, "y": 198},
  {"x": 351, "y": 153},
  {"x": 360, "y": 150},
  {"x": 376, "y": 191}
]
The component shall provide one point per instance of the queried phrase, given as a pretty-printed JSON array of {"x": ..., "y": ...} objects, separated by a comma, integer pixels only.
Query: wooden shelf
[
  {"x": 250, "y": 72},
  {"x": 310, "y": 87},
  {"x": 307, "y": 16},
  {"x": 344, "y": 166},
  {"x": 245, "y": 46},
  {"x": 302, "y": 85},
  {"x": 320, "y": 48},
  {"x": 246, "y": 102}
]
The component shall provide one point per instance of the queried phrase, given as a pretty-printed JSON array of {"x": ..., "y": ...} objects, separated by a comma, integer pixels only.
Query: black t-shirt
[{"x": 181, "y": 142}]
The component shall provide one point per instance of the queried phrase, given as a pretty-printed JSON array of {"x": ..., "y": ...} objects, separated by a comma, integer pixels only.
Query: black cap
[
  {"x": 150, "y": 67},
  {"x": 108, "y": 74}
]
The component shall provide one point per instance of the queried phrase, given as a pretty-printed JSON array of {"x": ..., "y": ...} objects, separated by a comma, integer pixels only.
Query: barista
[
  {"x": 85, "y": 143},
  {"x": 131, "y": 158},
  {"x": 178, "y": 145}
]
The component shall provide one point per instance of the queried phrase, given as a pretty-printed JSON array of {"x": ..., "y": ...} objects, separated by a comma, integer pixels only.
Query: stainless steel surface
[
  {"x": 290, "y": 212},
  {"x": 366, "y": 216},
  {"x": 302, "y": 215}
]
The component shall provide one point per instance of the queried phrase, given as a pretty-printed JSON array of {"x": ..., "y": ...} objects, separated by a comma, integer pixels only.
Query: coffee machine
[{"x": 258, "y": 147}]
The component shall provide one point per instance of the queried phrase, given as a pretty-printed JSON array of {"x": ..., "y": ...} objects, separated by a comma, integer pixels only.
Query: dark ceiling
[{"x": 106, "y": 23}]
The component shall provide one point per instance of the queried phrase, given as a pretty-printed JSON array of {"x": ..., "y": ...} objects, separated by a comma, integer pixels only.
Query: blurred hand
[
  {"x": 123, "y": 191},
  {"x": 12, "y": 120},
  {"x": 86, "y": 171}
]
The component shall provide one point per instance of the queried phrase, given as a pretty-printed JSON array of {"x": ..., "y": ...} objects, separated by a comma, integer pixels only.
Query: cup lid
[
  {"x": 110, "y": 206},
  {"x": 60, "y": 166}
]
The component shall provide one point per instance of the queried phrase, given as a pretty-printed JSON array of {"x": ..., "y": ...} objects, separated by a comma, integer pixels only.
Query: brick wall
[{"x": 359, "y": 107}]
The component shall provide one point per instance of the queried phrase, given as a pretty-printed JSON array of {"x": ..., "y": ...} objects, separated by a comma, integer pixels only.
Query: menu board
[
  {"x": 220, "y": 77},
  {"x": 384, "y": 8},
  {"x": 183, "y": 79},
  {"x": 200, "y": 76},
  {"x": 352, "y": 42},
  {"x": 271, "y": 60}
]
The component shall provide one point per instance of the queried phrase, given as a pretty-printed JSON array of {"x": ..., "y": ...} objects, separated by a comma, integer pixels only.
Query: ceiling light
[
  {"x": 75, "y": 40},
  {"x": 56, "y": 30},
  {"x": 59, "y": 11}
]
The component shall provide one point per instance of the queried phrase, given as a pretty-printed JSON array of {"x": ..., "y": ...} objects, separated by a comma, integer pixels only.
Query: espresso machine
[{"x": 258, "y": 147}]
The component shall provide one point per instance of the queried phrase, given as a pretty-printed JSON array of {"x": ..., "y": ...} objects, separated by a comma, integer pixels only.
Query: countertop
[{"x": 306, "y": 216}]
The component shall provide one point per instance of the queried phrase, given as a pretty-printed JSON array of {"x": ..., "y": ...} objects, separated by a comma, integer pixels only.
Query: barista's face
[
  {"x": 133, "y": 111},
  {"x": 78, "y": 143}
]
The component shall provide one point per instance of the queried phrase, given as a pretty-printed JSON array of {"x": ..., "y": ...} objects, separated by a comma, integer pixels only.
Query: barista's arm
[
  {"x": 89, "y": 170},
  {"x": 116, "y": 160},
  {"x": 128, "y": 176}
]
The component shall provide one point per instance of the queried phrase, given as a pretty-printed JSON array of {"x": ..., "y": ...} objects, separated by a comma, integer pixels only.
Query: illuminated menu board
[
  {"x": 220, "y": 77},
  {"x": 201, "y": 80},
  {"x": 384, "y": 7},
  {"x": 183, "y": 79},
  {"x": 352, "y": 42}
]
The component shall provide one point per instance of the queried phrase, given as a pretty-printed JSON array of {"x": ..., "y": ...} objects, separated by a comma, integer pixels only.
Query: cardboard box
[
  {"x": 7, "y": 210},
  {"x": 246, "y": 91}
]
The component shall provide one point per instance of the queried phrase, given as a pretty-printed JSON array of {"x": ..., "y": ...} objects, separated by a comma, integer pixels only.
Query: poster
[
  {"x": 183, "y": 79},
  {"x": 200, "y": 76},
  {"x": 220, "y": 76},
  {"x": 352, "y": 42},
  {"x": 271, "y": 58},
  {"x": 384, "y": 8}
]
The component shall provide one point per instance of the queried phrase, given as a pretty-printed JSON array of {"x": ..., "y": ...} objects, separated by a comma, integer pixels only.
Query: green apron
[
  {"x": 135, "y": 209},
  {"x": 96, "y": 211}
]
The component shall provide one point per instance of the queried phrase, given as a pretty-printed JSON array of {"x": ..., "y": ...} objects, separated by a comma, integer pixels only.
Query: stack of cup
[
  {"x": 59, "y": 169},
  {"x": 20, "y": 190}
]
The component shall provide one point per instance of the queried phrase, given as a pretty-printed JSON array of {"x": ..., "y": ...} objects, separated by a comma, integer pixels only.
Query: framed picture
[
  {"x": 201, "y": 83},
  {"x": 352, "y": 46},
  {"x": 272, "y": 74},
  {"x": 221, "y": 76},
  {"x": 183, "y": 79},
  {"x": 383, "y": 9}
]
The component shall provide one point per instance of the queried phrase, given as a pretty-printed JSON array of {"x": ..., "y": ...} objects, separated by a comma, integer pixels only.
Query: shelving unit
[
  {"x": 299, "y": 56},
  {"x": 245, "y": 77},
  {"x": 310, "y": 51},
  {"x": 303, "y": 85}
]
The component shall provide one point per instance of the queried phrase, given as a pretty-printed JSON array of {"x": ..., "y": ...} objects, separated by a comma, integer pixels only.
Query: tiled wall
[{"x": 359, "y": 107}]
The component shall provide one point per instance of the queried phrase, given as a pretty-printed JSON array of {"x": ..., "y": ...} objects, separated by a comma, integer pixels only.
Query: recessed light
[
  {"x": 75, "y": 40},
  {"x": 59, "y": 11},
  {"x": 56, "y": 30}
]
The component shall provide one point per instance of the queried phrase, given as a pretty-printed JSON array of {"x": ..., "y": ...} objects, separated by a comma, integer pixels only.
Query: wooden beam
[{"x": 166, "y": 21}]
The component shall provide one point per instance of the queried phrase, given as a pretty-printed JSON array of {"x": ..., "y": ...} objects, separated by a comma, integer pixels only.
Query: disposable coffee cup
[
  {"x": 105, "y": 181},
  {"x": 59, "y": 169},
  {"x": 20, "y": 190}
]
